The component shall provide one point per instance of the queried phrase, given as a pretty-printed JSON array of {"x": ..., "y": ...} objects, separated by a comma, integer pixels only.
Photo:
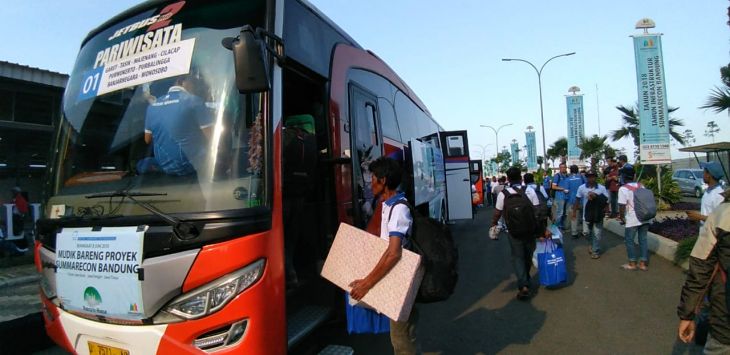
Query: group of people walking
[{"x": 579, "y": 206}]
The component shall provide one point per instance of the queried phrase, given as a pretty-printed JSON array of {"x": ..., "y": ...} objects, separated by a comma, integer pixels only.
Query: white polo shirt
[
  {"x": 710, "y": 200},
  {"x": 626, "y": 198},
  {"x": 400, "y": 221},
  {"x": 584, "y": 190},
  {"x": 530, "y": 193}
]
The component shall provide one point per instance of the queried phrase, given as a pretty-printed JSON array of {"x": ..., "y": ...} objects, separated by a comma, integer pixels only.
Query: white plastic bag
[{"x": 539, "y": 248}]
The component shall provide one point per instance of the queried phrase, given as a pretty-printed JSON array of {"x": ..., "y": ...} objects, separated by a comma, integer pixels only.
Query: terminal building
[{"x": 30, "y": 104}]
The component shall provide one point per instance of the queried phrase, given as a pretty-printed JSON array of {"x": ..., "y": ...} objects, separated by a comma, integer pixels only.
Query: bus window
[
  {"x": 366, "y": 139},
  {"x": 387, "y": 119}
]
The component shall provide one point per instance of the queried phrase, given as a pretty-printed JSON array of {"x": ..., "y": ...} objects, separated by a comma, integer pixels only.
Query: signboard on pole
[
  {"x": 531, "y": 151},
  {"x": 654, "y": 147},
  {"x": 576, "y": 130},
  {"x": 514, "y": 151}
]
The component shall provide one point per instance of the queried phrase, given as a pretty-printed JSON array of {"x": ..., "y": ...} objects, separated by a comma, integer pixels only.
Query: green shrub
[
  {"x": 670, "y": 193},
  {"x": 684, "y": 249}
]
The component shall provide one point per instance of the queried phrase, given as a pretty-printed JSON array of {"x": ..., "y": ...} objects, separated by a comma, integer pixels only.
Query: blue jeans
[
  {"x": 594, "y": 230},
  {"x": 629, "y": 235},
  {"x": 614, "y": 203},
  {"x": 522, "y": 259},
  {"x": 559, "y": 212}
]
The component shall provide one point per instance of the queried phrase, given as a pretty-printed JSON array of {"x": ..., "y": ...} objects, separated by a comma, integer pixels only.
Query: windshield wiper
[{"x": 183, "y": 230}]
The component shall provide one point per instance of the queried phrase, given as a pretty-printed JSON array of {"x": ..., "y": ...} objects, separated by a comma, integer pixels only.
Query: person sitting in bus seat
[{"x": 179, "y": 126}]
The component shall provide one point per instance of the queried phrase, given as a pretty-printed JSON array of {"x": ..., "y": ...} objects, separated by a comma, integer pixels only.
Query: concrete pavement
[{"x": 602, "y": 310}]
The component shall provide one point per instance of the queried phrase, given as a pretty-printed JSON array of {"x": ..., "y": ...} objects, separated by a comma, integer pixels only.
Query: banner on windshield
[{"x": 653, "y": 113}]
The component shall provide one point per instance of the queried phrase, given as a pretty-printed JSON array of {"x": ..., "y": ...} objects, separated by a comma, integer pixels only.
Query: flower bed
[
  {"x": 676, "y": 228},
  {"x": 685, "y": 206}
]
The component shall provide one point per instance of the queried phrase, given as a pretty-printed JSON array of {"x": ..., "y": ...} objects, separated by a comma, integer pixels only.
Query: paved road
[
  {"x": 603, "y": 309},
  {"x": 19, "y": 301}
]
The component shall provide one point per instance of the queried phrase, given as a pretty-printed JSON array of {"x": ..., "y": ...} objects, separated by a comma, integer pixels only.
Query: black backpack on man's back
[
  {"x": 520, "y": 214},
  {"x": 432, "y": 240}
]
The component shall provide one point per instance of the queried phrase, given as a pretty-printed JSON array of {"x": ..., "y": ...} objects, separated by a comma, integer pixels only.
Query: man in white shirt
[
  {"x": 632, "y": 225},
  {"x": 521, "y": 246},
  {"x": 395, "y": 228},
  {"x": 712, "y": 197},
  {"x": 591, "y": 191}
]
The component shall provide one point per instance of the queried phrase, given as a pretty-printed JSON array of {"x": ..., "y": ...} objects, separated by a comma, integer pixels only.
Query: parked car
[{"x": 690, "y": 181}]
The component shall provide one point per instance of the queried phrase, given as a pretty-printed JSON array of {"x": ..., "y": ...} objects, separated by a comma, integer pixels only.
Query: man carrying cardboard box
[{"x": 395, "y": 228}]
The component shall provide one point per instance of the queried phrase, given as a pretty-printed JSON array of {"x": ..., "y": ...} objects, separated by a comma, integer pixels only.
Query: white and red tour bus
[{"x": 206, "y": 154}]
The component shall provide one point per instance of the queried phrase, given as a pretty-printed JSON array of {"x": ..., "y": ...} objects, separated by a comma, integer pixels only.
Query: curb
[
  {"x": 22, "y": 280},
  {"x": 657, "y": 244}
]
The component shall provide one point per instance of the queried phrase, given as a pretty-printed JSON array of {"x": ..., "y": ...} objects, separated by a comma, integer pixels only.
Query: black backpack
[
  {"x": 542, "y": 212},
  {"x": 432, "y": 240},
  {"x": 519, "y": 214}
]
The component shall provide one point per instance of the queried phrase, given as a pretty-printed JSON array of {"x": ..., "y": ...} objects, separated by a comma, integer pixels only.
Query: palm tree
[
  {"x": 558, "y": 150},
  {"x": 719, "y": 99},
  {"x": 630, "y": 127},
  {"x": 592, "y": 147}
]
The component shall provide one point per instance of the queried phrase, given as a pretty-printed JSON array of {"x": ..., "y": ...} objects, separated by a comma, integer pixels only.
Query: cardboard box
[{"x": 355, "y": 253}]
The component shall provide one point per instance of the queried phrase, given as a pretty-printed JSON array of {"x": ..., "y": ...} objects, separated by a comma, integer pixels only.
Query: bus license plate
[{"x": 100, "y": 349}]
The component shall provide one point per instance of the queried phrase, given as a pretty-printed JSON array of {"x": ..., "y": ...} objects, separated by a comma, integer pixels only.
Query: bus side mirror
[{"x": 249, "y": 61}]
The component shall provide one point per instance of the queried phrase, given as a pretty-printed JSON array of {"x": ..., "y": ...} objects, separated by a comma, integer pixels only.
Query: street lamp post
[
  {"x": 483, "y": 148},
  {"x": 496, "y": 133},
  {"x": 539, "y": 84}
]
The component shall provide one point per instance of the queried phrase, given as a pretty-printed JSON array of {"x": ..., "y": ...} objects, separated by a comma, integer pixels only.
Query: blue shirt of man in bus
[{"x": 179, "y": 125}]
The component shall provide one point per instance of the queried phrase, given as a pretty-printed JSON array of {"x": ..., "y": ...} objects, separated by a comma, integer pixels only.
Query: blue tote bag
[
  {"x": 361, "y": 320},
  {"x": 551, "y": 265}
]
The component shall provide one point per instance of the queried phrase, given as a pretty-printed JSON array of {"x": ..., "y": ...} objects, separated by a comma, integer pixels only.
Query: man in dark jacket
[{"x": 712, "y": 247}]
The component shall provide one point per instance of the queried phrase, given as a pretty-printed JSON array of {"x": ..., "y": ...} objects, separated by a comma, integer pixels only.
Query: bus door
[
  {"x": 367, "y": 145},
  {"x": 425, "y": 160},
  {"x": 476, "y": 176},
  {"x": 458, "y": 184}
]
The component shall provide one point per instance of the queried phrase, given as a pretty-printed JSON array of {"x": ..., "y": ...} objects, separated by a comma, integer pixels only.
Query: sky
[{"x": 449, "y": 53}]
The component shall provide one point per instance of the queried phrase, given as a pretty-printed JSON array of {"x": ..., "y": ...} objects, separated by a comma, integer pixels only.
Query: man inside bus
[
  {"x": 179, "y": 126},
  {"x": 395, "y": 227}
]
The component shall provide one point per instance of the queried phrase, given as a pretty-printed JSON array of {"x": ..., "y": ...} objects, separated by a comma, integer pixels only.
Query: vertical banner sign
[
  {"x": 576, "y": 131},
  {"x": 653, "y": 112},
  {"x": 514, "y": 151},
  {"x": 531, "y": 151}
]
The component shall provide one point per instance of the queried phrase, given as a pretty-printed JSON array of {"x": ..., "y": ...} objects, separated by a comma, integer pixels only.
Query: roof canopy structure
[{"x": 708, "y": 148}]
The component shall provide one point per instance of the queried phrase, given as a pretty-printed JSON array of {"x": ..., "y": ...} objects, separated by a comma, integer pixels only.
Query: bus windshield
[{"x": 151, "y": 107}]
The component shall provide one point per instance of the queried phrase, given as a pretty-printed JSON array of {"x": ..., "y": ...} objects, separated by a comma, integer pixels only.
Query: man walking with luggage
[
  {"x": 594, "y": 197},
  {"x": 518, "y": 205},
  {"x": 395, "y": 227}
]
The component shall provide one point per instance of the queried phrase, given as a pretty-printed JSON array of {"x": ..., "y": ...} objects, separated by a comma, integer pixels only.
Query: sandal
[
  {"x": 628, "y": 266},
  {"x": 595, "y": 256},
  {"x": 643, "y": 267}
]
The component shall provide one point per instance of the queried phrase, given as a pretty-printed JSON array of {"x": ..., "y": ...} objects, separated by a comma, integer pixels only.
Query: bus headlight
[{"x": 214, "y": 295}]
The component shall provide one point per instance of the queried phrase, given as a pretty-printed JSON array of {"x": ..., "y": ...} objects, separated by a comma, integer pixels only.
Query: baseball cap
[
  {"x": 714, "y": 168},
  {"x": 591, "y": 173}
]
